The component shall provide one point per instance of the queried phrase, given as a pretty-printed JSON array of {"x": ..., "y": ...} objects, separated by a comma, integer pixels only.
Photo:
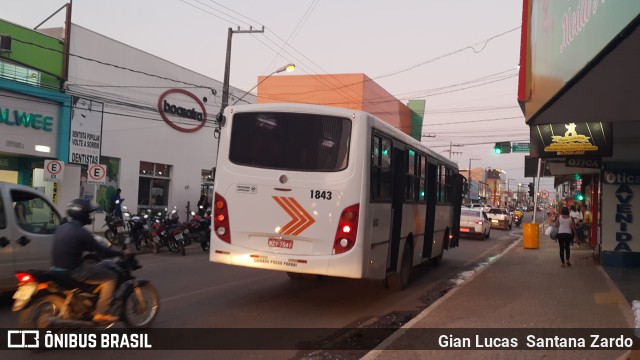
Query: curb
[{"x": 375, "y": 352}]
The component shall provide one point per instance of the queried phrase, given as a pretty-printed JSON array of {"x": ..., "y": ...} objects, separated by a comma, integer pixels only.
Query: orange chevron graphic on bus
[{"x": 300, "y": 218}]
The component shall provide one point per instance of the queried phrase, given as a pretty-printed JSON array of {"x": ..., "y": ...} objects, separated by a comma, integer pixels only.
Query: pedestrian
[
  {"x": 566, "y": 233},
  {"x": 576, "y": 215},
  {"x": 116, "y": 204},
  {"x": 203, "y": 205}
]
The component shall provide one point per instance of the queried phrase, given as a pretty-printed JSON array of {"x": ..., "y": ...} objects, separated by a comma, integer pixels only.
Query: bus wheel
[{"x": 399, "y": 280}]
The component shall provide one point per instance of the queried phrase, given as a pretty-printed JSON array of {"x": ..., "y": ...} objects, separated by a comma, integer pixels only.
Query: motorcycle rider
[
  {"x": 518, "y": 215},
  {"x": 71, "y": 239}
]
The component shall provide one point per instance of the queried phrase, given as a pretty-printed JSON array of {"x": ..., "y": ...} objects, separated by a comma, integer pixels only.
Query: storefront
[
  {"x": 33, "y": 128},
  {"x": 157, "y": 133},
  {"x": 578, "y": 91}
]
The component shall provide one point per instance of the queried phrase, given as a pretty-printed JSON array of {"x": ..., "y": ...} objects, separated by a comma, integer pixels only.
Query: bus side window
[
  {"x": 386, "y": 174},
  {"x": 380, "y": 169}
]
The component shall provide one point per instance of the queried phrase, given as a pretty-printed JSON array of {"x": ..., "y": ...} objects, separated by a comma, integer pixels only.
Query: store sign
[
  {"x": 28, "y": 124},
  {"x": 572, "y": 139},
  {"x": 12, "y": 117},
  {"x": 182, "y": 110},
  {"x": 620, "y": 203},
  {"x": 583, "y": 163},
  {"x": 85, "y": 139}
]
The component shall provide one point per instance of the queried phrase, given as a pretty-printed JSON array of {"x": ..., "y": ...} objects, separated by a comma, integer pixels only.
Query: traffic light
[
  {"x": 503, "y": 147},
  {"x": 579, "y": 196},
  {"x": 531, "y": 192}
]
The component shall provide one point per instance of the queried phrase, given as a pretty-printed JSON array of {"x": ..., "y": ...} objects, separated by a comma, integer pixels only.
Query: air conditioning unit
[{"x": 5, "y": 43}]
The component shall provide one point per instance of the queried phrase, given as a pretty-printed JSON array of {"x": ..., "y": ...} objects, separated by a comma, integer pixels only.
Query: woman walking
[{"x": 566, "y": 233}]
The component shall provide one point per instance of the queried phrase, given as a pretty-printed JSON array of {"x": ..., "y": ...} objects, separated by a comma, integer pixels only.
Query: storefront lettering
[
  {"x": 169, "y": 112},
  {"x": 20, "y": 118},
  {"x": 576, "y": 20},
  {"x": 624, "y": 217},
  {"x": 182, "y": 112},
  {"x": 91, "y": 141},
  {"x": 621, "y": 178}
]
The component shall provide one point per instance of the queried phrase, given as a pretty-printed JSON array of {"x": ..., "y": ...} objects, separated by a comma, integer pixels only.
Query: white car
[{"x": 475, "y": 223}]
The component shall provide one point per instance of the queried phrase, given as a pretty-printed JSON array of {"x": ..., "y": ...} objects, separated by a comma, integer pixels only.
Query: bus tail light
[
  {"x": 221, "y": 219},
  {"x": 347, "y": 230}
]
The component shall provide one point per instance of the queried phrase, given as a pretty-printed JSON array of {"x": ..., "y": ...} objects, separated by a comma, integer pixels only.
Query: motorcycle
[
  {"x": 116, "y": 231},
  {"x": 140, "y": 233},
  {"x": 52, "y": 299},
  {"x": 202, "y": 228},
  {"x": 167, "y": 233},
  {"x": 517, "y": 219}
]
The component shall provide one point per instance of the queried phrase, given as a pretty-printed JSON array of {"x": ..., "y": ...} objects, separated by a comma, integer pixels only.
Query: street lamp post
[
  {"x": 469, "y": 189},
  {"x": 509, "y": 191},
  {"x": 288, "y": 68}
]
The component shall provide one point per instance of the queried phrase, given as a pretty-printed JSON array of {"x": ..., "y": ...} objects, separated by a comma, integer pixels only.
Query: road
[{"x": 198, "y": 294}]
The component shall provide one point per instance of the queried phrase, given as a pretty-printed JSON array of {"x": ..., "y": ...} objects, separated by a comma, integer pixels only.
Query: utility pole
[
  {"x": 227, "y": 65},
  {"x": 451, "y": 144}
]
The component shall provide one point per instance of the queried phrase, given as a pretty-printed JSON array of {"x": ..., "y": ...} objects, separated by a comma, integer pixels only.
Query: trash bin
[{"x": 530, "y": 236}]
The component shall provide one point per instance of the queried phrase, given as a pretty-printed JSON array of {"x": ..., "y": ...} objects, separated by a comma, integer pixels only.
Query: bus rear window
[{"x": 290, "y": 141}]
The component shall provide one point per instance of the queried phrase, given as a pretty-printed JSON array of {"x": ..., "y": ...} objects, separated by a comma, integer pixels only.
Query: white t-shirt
[{"x": 576, "y": 215}]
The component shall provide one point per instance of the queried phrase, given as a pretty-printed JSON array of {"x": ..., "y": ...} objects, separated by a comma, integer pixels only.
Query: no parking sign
[
  {"x": 97, "y": 174},
  {"x": 53, "y": 170}
]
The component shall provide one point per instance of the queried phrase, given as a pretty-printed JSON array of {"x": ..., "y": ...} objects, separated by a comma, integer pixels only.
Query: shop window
[
  {"x": 153, "y": 186},
  {"x": 207, "y": 178},
  {"x": 19, "y": 73}
]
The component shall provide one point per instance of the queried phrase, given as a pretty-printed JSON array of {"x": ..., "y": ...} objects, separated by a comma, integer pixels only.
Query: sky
[{"x": 460, "y": 56}]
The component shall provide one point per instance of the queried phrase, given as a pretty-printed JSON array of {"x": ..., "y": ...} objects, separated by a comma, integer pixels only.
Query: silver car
[{"x": 475, "y": 223}]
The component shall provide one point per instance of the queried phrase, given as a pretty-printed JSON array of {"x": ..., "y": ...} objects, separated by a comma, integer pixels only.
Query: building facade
[
  {"x": 34, "y": 113},
  {"x": 149, "y": 123},
  {"x": 577, "y": 90}
]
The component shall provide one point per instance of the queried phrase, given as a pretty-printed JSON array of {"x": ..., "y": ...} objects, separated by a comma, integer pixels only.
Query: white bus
[{"x": 311, "y": 189}]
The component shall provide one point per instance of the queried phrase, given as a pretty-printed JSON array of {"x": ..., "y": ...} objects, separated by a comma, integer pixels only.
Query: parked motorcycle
[
  {"x": 140, "y": 232},
  {"x": 52, "y": 299},
  {"x": 202, "y": 228},
  {"x": 169, "y": 234},
  {"x": 116, "y": 231}
]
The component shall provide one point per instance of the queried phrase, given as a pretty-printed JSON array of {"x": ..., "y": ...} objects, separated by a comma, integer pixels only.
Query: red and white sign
[
  {"x": 53, "y": 170},
  {"x": 544, "y": 194},
  {"x": 97, "y": 174},
  {"x": 182, "y": 110}
]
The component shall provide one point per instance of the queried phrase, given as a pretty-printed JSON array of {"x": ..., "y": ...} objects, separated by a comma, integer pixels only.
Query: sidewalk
[{"x": 523, "y": 289}]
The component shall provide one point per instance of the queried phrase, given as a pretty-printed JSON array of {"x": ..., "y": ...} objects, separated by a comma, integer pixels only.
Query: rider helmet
[{"x": 80, "y": 210}]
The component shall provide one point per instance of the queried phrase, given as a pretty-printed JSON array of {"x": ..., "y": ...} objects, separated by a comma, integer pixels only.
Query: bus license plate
[{"x": 281, "y": 243}]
